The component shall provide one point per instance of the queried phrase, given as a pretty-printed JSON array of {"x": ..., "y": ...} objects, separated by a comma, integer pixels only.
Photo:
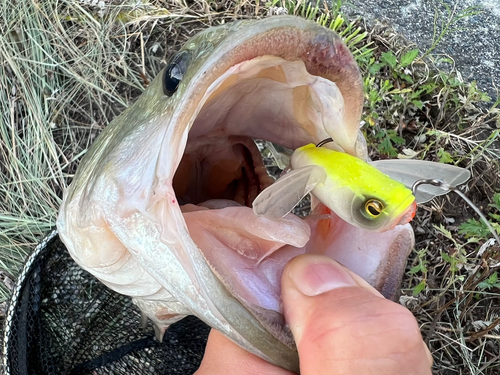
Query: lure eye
[
  {"x": 174, "y": 72},
  {"x": 373, "y": 208}
]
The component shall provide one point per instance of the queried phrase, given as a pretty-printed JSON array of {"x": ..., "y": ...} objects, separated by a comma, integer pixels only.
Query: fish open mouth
[
  {"x": 160, "y": 207},
  {"x": 290, "y": 100}
]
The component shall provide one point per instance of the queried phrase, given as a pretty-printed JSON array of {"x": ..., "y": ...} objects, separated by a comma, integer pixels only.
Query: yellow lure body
[{"x": 356, "y": 191}]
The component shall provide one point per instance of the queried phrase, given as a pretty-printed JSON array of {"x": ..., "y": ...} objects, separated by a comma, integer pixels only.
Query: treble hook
[
  {"x": 443, "y": 185},
  {"x": 431, "y": 181}
]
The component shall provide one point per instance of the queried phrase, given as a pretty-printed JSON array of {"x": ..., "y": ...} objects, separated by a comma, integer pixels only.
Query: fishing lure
[
  {"x": 375, "y": 195},
  {"x": 356, "y": 191}
]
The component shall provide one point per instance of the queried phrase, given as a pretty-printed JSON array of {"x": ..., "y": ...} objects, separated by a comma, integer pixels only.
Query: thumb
[{"x": 344, "y": 326}]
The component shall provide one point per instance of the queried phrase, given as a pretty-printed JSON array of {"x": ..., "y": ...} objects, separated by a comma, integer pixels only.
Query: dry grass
[{"x": 68, "y": 67}]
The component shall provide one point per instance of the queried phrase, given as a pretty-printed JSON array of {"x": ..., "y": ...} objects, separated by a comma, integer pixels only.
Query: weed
[
  {"x": 446, "y": 22},
  {"x": 421, "y": 267},
  {"x": 444, "y": 156},
  {"x": 490, "y": 282},
  {"x": 473, "y": 228},
  {"x": 456, "y": 258},
  {"x": 388, "y": 141}
]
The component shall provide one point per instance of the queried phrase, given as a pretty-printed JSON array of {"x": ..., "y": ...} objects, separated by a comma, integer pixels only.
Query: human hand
[{"x": 340, "y": 323}]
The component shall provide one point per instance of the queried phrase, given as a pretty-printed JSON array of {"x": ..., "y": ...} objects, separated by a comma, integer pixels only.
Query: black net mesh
[{"x": 61, "y": 320}]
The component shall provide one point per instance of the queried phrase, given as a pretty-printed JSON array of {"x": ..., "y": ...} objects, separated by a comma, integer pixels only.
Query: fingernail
[{"x": 316, "y": 275}]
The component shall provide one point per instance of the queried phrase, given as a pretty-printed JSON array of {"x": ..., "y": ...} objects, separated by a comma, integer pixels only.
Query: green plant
[
  {"x": 458, "y": 257},
  {"x": 445, "y": 22},
  {"x": 421, "y": 267},
  {"x": 388, "y": 142},
  {"x": 473, "y": 228},
  {"x": 491, "y": 282},
  {"x": 444, "y": 156},
  {"x": 379, "y": 92}
]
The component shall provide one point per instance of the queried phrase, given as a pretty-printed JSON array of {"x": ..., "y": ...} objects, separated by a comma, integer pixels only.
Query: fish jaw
[
  {"x": 121, "y": 218},
  {"x": 250, "y": 264},
  {"x": 378, "y": 257}
]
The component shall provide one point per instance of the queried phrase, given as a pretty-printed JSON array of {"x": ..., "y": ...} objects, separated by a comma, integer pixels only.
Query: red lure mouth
[{"x": 408, "y": 215}]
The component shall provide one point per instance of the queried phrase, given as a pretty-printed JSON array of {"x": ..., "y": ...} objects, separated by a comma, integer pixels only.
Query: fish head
[{"x": 159, "y": 208}]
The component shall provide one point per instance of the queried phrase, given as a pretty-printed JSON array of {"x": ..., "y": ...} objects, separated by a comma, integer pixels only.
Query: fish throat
[{"x": 266, "y": 98}]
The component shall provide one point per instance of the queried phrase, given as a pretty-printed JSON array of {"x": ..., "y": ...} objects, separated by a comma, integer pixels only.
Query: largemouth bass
[{"x": 160, "y": 207}]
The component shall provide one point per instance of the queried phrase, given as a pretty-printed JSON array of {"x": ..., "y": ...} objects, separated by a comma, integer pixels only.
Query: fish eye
[
  {"x": 373, "y": 208},
  {"x": 175, "y": 71}
]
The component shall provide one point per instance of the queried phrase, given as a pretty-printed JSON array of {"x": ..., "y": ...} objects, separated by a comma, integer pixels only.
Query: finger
[
  {"x": 344, "y": 326},
  {"x": 222, "y": 356}
]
